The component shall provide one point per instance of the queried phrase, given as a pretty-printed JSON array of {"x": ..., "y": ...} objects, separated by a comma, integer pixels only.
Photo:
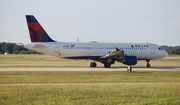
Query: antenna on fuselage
[{"x": 77, "y": 39}]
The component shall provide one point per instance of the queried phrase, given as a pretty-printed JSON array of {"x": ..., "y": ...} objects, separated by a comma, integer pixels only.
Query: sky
[{"x": 153, "y": 21}]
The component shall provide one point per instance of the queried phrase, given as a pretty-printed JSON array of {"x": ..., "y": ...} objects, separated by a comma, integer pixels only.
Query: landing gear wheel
[
  {"x": 93, "y": 64},
  {"x": 129, "y": 69},
  {"x": 148, "y": 66},
  {"x": 107, "y": 65}
]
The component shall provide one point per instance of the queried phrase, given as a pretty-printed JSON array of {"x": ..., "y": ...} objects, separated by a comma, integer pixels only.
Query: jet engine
[{"x": 129, "y": 60}]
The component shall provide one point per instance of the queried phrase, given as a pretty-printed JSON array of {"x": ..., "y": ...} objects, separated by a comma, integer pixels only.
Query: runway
[{"x": 87, "y": 69}]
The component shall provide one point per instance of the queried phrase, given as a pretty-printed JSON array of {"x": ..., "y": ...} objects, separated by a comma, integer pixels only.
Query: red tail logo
[{"x": 37, "y": 33}]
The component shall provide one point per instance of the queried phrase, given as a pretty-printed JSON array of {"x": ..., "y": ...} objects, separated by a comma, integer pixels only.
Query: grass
[
  {"x": 87, "y": 88},
  {"x": 37, "y": 60},
  {"x": 90, "y": 88},
  {"x": 50, "y": 61}
]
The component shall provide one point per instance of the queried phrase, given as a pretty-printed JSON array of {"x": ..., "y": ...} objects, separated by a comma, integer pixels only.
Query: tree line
[
  {"x": 172, "y": 49},
  {"x": 13, "y": 48}
]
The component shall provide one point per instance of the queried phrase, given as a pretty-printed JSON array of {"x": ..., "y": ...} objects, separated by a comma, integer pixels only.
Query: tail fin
[{"x": 36, "y": 31}]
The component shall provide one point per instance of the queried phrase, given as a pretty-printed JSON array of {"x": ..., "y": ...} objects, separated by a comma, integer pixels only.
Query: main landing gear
[
  {"x": 93, "y": 64},
  {"x": 107, "y": 65},
  {"x": 148, "y": 64}
]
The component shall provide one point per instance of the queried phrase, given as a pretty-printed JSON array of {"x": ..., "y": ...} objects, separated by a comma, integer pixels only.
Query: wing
[
  {"x": 119, "y": 56},
  {"x": 114, "y": 54}
]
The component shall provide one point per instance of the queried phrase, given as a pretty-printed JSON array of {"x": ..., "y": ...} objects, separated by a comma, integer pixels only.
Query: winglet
[{"x": 36, "y": 31}]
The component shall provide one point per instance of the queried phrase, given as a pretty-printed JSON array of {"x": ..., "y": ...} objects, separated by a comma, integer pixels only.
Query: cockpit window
[{"x": 160, "y": 48}]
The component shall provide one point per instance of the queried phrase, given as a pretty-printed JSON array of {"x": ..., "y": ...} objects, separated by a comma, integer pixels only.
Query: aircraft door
[
  {"x": 57, "y": 48},
  {"x": 152, "y": 49}
]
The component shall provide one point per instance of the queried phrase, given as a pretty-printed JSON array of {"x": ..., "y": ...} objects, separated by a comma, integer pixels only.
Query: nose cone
[{"x": 165, "y": 54}]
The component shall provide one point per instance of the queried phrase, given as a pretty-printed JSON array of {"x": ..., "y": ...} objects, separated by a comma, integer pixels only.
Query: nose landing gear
[{"x": 148, "y": 64}]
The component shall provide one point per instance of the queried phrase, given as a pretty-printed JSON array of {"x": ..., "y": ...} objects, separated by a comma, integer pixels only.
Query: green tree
[{"x": 13, "y": 48}]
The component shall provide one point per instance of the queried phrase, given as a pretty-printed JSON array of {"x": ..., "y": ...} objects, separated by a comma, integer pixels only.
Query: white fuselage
[
  {"x": 106, "y": 53},
  {"x": 85, "y": 50}
]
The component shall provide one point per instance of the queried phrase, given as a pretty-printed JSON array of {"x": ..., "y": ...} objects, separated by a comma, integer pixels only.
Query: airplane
[{"x": 106, "y": 53}]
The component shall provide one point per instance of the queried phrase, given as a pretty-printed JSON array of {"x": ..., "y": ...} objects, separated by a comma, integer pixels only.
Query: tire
[
  {"x": 107, "y": 65},
  {"x": 93, "y": 64},
  {"x": 148, "y": 66}
]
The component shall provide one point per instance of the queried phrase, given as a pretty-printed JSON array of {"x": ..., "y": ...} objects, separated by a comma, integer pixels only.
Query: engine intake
[{"x": 129, "y": 60}]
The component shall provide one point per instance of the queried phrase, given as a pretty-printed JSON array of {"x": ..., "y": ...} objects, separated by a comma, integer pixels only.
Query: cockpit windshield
[{"x": 160, "y": 48}]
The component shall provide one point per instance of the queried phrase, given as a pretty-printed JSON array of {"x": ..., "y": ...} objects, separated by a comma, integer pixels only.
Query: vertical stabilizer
[{"x": 36, "y": 31}]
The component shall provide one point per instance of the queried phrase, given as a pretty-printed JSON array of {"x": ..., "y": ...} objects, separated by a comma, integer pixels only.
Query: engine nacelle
[{"x": 130, "y": 60}]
